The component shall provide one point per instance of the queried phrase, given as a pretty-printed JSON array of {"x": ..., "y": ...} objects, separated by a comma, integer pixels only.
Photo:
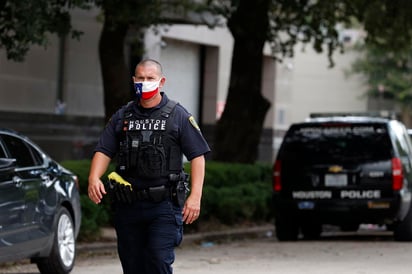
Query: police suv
[{"x": 343, "y": 170}]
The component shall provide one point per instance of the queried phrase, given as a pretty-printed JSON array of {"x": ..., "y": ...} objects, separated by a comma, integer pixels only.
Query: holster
[
  {"x": 119, "y": 192},
  {"x": 180, "y": 188},
  {"x": 158, "y": 193},
  {"x": 119, "y": 189}
]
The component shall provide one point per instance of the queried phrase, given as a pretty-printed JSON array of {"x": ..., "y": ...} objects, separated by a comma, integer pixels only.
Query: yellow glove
[{"x": 118, "y": 179}]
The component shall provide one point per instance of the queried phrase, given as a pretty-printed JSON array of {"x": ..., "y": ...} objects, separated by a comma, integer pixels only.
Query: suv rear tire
[
  {"x": 287, "y": 229},
  {"x": 403, "y": 231},
  {"x": 311, "y": 231}
]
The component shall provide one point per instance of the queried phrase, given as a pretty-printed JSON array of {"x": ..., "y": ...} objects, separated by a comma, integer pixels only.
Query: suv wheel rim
[{"x": 65, "y": 240}]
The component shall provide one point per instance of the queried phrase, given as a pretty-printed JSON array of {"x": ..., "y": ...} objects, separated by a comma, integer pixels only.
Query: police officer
[{"x": 150, "y": 137}]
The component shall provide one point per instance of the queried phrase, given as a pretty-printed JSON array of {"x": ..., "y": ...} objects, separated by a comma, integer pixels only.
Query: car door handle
[{"x": 17, "y": 181}]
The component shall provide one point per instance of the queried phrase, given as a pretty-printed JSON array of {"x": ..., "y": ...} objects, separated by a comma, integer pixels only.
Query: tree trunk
[
  {"x": 240, "y": 126},
  {"x": 406, "y": 116},
  {"x": 115, "y": 74}
]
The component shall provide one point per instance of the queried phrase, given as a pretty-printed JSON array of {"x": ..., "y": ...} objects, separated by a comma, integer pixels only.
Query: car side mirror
[{"x": 53, "y": 167}]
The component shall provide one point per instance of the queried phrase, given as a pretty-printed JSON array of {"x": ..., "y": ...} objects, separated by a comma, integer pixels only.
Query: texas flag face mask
[{"x": 146, "y": 90}]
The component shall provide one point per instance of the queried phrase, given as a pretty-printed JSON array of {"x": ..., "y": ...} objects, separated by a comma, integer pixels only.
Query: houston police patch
[{"x": 193, "y": 122}]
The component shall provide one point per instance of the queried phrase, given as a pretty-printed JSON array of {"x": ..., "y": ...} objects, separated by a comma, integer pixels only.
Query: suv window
[
  {"x": 402, "y": 143},
  {"x": 314, "y": 143}
]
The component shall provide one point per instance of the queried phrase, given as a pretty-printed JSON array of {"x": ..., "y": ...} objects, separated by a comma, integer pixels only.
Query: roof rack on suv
[{"x": 381, "y": 114}]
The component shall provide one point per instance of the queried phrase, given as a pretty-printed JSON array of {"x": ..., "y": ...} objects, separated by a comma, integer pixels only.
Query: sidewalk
[{"x": 108, "y": 241}]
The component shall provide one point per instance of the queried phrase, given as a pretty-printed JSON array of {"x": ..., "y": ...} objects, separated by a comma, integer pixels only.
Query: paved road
[{"x": 360, "y": 253}]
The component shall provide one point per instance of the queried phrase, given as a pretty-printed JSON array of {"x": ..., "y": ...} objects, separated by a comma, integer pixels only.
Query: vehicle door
[
  {"x": 12, "y": 203},
  {"x": 26, "y": 184}
]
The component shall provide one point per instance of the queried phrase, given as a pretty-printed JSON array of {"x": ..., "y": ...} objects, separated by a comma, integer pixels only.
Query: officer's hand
[
  {"x": 191, "y": 209},
  {"x": 96, "y": 190}
]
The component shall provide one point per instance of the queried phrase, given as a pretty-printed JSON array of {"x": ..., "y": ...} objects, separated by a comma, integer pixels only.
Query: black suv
[
  {"x": 40, "y": 212},
  {"x": 343, "y": 170}
]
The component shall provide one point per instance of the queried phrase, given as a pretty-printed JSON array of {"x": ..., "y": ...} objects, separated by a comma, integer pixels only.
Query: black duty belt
[{"x": 125, "y": 194}]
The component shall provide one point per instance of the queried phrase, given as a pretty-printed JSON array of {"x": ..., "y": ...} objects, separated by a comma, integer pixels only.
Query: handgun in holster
[
  {"x": 180, "y": 187},
  {"x": 119, "y": 189}
]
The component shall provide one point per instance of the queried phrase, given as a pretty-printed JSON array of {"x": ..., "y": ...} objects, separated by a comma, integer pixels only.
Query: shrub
[{"x": 94, "y": 217}]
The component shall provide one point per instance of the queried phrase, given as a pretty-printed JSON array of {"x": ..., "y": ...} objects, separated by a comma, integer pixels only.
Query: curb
[
  {"x": 108, "y": 242},
  {"x": 231, "y": 234}
]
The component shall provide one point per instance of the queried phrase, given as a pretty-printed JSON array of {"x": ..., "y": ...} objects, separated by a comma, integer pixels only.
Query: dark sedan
[{"x": 39, "y": 206}]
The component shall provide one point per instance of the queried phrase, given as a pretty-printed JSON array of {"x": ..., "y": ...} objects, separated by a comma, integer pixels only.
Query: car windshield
[{"x": 325, "y": 143}]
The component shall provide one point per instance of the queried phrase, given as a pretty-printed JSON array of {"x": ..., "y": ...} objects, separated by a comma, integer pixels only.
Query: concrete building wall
[
  {"x": 181, "y": 65},
  {"x": 306, "y": 84},
  {"x": 32, "y": 86},
  {"x": 318, "y": 88},
  {"x": 29, "y": 86},
  {"x": 83, "y": 88},
  {"x": 266, "y": 150}
]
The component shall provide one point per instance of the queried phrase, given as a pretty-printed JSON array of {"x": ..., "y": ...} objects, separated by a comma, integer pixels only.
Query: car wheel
[
  {"x": 286, "y": 229},
  {"x": 403, "y": 230},
  {"x": 63, "y": 253}
]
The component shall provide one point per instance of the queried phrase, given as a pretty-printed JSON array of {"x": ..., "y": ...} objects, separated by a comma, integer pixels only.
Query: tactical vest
[{"x": 147, "y": 148}]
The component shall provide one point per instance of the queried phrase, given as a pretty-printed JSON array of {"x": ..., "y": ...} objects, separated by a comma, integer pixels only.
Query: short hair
[{"x": 149, "y": 61}]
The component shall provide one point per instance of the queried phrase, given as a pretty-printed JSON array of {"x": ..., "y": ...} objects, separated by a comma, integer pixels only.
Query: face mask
[{"x": 146, "y": 90}]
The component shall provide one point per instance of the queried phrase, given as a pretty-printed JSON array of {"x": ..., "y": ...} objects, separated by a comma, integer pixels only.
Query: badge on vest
[{"x": 193, "y": 122}]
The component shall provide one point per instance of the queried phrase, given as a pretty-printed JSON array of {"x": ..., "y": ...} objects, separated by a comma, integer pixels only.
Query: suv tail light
[
  {"x": 277, "y": 185},
  {"x": 397, "y": 174}
]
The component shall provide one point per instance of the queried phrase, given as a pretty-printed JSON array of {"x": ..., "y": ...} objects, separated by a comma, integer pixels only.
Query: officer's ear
[{"x": 162, "y": 82}]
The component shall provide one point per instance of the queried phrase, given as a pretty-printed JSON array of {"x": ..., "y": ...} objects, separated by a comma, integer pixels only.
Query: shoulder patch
[{"x": 193, "y": 122}]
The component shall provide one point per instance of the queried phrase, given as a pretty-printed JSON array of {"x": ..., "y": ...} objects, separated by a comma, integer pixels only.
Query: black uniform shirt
[{"x": 185, "y": 130}]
